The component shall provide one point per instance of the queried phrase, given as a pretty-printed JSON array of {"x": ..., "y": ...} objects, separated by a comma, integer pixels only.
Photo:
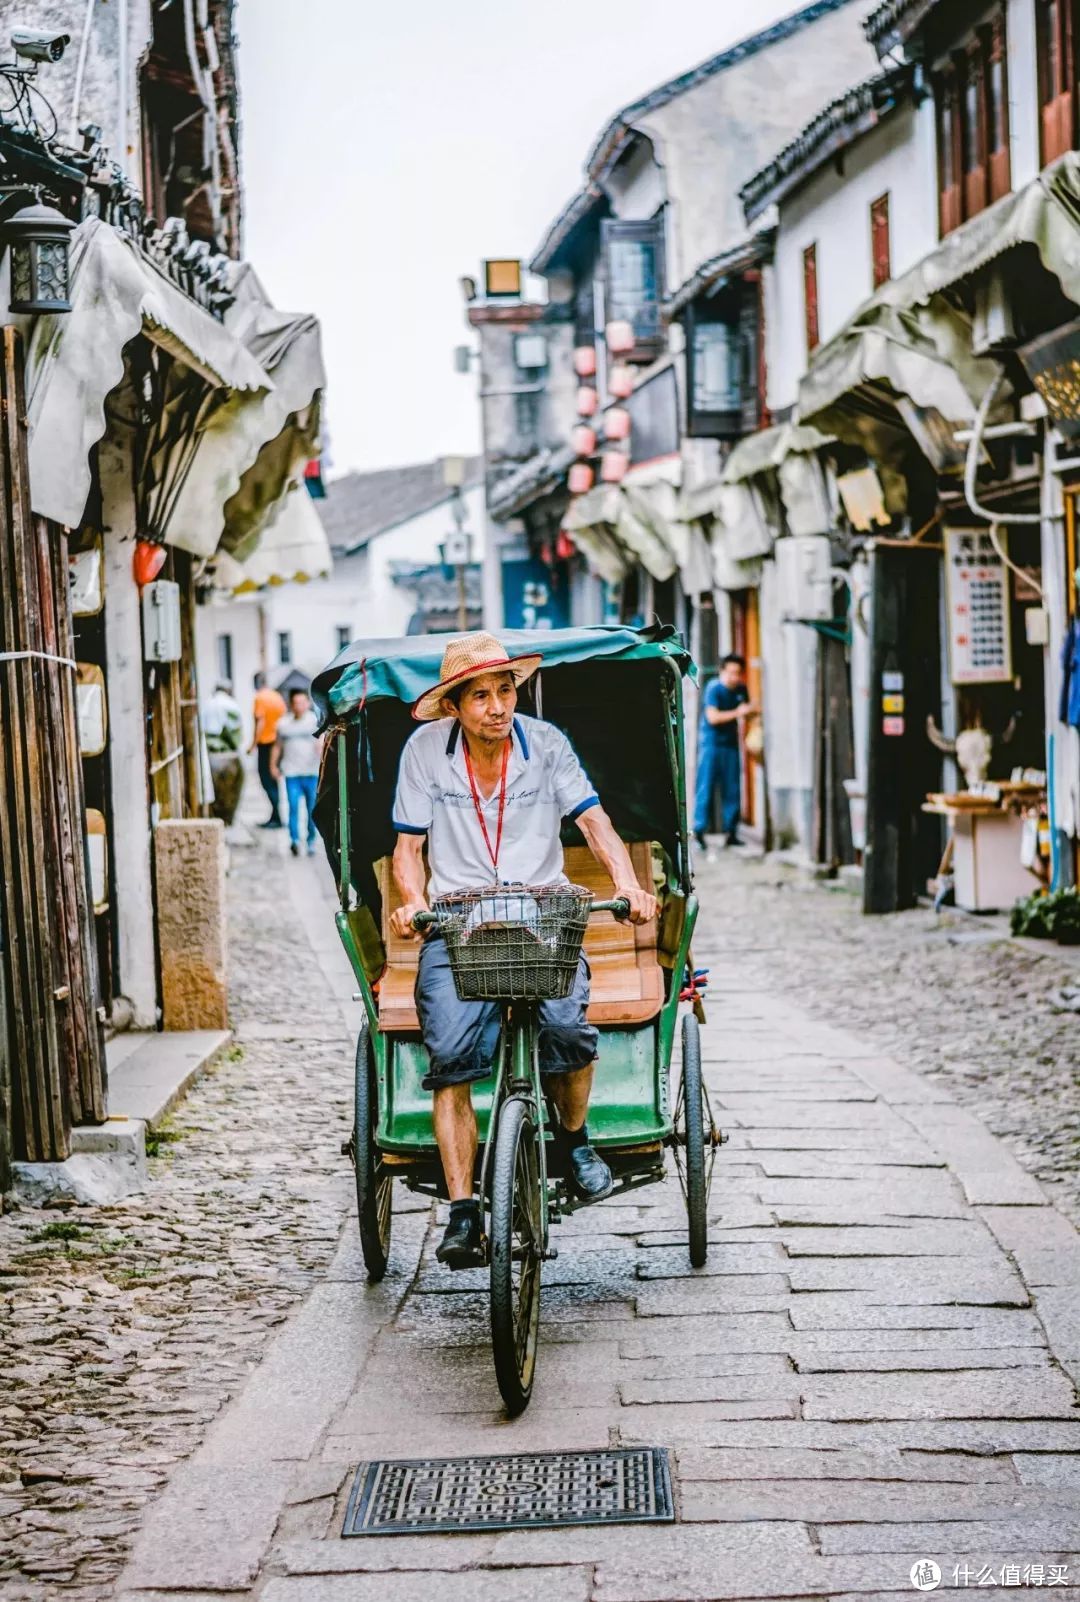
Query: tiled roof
[
  {"x": 359, "y": 506},
  {"x": 895, "y": 21},
  {"x": 624, "y": 120},
  {"x": 846, "y": 119}
]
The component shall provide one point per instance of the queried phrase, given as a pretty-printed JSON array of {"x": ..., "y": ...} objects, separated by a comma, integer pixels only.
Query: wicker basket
[{"x": 514, "y": 942}]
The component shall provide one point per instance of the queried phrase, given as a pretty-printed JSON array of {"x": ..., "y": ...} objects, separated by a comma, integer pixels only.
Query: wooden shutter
[
  {"x": 810, "y": 297},
  {"x": 880, "y": 246},
  {"x": 997, "y": 108},
  {"x": 1057, "y": 76},
  {"x": 950, "y": 208},
  {"x": 972, "y": 110}
]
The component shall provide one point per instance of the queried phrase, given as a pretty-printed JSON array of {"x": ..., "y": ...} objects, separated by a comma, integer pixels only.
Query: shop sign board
[
  {"x": 1052, "y": 362},
  {"x": 977, "y": 590}
]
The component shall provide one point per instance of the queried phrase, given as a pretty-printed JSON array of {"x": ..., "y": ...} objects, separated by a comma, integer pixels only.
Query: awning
[
  {"x": 255, "y": 447},
  {"x": 293, "y": 549},
  {"x": 74, "y": 359},
  {"x": 764, "y": 451},
  {"x": 590, "y": 521},
  {"x": 913, "y": 340},
  {"x": 645, "y": 514},
  {"x": 746, "y": 523},
  {"x": 1045, "y": 213},
  {"x": 924, "y": 354}
]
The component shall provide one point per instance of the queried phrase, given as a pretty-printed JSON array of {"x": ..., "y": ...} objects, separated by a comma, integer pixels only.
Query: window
[
  {"x": 880, "y": 247},
  {"x": 722, "y": 350},
  {"x": 284, "y": 647},
  {"x": 225, "y": 658},
  {"x": 971, "y": 92},
  {"x": 344, "y": 636},
  {"x": 634, "y": 266},
  {"x": 526, "y": 416},
  {"x": 1056, "y": 33},
  {"x": 810, "y": 298}
]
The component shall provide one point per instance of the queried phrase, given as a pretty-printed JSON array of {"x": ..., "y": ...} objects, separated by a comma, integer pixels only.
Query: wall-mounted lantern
[
  {"x": 38, "y": 238},
  {"x": 620, "y": 380},
  {"x": 617, "y": 423},
  {"x": 585, "y": 360}
]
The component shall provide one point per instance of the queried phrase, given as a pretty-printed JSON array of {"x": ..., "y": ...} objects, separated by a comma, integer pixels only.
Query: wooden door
[{"x": 746, "y": 638}]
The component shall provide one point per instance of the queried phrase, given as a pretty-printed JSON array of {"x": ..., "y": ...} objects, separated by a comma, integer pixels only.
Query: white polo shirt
[{"x": 545, "y": 783}]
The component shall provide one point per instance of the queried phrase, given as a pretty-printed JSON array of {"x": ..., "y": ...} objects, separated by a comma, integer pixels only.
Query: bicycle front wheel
[{"x": 516, "y": 1253}]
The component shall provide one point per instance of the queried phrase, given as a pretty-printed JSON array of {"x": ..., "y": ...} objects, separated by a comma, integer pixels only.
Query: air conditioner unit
[
  {"x": 804, "y": 578},
  {"x": 530, "y": 352},
  {"x": 992, "y": 328}
]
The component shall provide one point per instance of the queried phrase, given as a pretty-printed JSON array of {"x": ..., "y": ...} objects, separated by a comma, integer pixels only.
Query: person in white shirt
[
  {"x": 297, "y": 755},
  {"x": 488, "y": 790}
]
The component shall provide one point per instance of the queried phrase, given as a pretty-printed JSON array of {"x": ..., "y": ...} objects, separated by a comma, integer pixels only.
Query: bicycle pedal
[{"x": 551, "y": 1254}]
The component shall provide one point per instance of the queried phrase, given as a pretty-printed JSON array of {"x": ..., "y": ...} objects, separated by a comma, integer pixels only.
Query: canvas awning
[
  {"x": 764, "y": 451},
  {"x": 294, "y": 549},
  {"x": 255, "y": 447},
  {"x": 74, "y": 360},
  {"x": 923, "y": 353},
  {"x": 909, "y": 339},
  {"x": 1045, "y": 213},
  {"x": 616, "y": 527},
  {"x": 590, "y": 521}
]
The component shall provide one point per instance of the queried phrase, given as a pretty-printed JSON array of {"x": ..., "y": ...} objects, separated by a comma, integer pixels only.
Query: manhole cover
[{"x": 534, "y": 1490}]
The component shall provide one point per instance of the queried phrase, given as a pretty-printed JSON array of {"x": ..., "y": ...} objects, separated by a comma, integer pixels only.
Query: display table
[{"x": 988, "y": 875}]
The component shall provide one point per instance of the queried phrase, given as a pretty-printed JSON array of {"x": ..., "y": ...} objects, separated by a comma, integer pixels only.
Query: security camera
[{"x": 39, "y": 44}]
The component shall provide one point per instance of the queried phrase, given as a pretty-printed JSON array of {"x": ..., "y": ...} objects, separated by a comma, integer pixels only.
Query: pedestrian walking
[
  {"x": 269, "y": 710},
  {"x": 297, "y": 754},
  {"x": 726, "y": 704}
]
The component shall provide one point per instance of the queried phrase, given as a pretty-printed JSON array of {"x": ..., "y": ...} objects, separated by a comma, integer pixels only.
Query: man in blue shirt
[{"x": 725, "y": 705}]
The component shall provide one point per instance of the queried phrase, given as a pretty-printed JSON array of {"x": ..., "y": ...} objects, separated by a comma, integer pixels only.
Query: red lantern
[
  {"x": 564, "y": 546},
  {"x": 148, "y": 561},
  {"x": 587, "y": 401},
  {"x": 580, "y": 478},
  {"x": 585, "y": 361},
  {"x": 620, "y": 338},
  {"x": 617, "y": 423},
  {"x": 613, "y": 465},
  {"x": 620, "y": 380},
  {"x": 583, "y": 439}
]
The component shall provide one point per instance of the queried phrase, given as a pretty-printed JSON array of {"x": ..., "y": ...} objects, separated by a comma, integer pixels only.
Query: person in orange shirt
[{"x": 269, "y": 710}]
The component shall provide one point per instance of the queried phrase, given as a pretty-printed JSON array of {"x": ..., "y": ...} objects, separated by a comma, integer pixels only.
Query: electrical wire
[{"x": 995, "y": 520}]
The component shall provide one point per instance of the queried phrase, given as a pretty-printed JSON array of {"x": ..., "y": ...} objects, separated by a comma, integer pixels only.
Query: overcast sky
[{"x": 388, "y": 148}]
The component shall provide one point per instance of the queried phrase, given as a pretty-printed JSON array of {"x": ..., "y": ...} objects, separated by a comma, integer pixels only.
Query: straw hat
[{"x": 467, "y": 658}]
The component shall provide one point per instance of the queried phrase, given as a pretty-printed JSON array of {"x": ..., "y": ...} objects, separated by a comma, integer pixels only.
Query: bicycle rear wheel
[
  {"x": 374, "y": 1185},
  {"x": 516, "y": 1253}
]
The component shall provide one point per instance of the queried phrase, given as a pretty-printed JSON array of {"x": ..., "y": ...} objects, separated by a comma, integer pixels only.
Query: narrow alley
[{"x": 876, "y": 1367}]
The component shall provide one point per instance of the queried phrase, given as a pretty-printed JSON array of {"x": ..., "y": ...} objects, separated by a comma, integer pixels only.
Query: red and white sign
[{"x": 977, "y": 589}]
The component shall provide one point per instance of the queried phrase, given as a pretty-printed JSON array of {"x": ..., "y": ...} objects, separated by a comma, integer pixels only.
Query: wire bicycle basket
[{"x": 514, "y": 942}]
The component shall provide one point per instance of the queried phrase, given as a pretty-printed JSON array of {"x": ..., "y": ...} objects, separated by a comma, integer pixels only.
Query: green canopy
[
  {"x": 614, "y": 691},
  {"x": 401, "y": 670}
]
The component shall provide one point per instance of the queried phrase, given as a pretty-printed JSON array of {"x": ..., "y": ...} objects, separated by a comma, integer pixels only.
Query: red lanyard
[{"x": 494, "y": 855}]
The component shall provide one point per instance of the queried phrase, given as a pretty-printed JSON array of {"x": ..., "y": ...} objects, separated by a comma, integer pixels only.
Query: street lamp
[{"x": 38, "y": 238}]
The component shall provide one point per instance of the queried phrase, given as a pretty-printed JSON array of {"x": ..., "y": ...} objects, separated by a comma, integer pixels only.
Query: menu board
[{"x": 977, "y": 590}]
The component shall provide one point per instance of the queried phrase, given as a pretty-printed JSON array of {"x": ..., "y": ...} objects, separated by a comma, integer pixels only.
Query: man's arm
[
  {"x": 611, "y": 853},
  {"x": 715, "y": 717},
  {"x": 408, "y": 871},
  {"x": 275, "y": 761}
]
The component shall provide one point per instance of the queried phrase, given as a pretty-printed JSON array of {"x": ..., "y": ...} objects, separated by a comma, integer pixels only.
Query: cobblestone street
[{"x": 875, "y": 1367}]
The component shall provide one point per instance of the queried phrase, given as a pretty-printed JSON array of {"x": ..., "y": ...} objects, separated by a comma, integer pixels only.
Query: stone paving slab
[{"x": 868, "y": 1371}]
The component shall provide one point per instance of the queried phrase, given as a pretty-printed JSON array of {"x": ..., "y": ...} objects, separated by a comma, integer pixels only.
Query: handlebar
[{"x": 619, "y": 907}]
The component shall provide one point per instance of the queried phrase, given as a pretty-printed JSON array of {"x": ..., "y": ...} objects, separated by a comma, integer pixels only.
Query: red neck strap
[{"x": 494, "y": 855}]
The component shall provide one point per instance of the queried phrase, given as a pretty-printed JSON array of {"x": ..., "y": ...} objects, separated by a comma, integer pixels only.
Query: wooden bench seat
[{"x": 627, "y": 983}]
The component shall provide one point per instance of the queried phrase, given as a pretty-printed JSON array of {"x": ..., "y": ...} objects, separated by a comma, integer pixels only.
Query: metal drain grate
[{"x": 525, "y": 1490}]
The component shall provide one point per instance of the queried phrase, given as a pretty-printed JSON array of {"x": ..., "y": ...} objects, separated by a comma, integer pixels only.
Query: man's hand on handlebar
[
  {"x": 401, "y": 921},
  {"x": 642, "y": 904}
]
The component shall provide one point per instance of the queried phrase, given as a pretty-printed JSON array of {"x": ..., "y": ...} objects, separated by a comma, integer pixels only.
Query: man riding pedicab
[{"x": 487, "y": 789}]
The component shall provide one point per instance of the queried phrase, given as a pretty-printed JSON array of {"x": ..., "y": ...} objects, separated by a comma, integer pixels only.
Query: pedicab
[{"x": 617, "y": 693}]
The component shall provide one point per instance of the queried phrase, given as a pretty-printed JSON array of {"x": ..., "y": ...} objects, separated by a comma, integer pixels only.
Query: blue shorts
[{"x": 462, "y": 1036}]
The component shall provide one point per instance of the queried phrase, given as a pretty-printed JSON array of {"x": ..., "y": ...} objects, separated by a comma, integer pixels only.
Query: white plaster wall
[
  {"x": 789, "y": 655},
  {"x": 712, "y": 138},
  {"x": 1023, "y": 92},
  {"x": 636, "y": 186},
  {"x": 833, "y": 211}
]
